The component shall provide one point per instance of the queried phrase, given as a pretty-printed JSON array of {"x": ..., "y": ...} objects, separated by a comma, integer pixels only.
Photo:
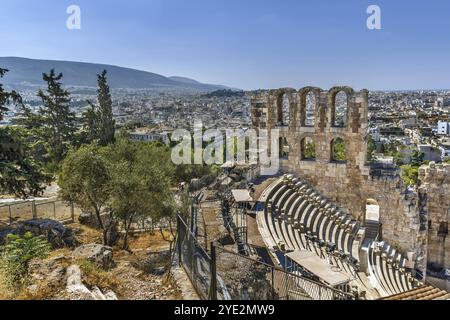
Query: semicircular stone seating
[{"x": 296, "y": 217}]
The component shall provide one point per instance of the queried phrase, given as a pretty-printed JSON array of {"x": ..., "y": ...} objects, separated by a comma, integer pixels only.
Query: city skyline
[{"x": 249, "y": 46}]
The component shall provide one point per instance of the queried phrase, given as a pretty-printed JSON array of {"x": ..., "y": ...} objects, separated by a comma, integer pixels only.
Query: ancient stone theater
[{"x": 330, "y": 200}]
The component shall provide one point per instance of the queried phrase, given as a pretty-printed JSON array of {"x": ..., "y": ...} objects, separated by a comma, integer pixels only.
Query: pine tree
[
  {"x": 98, "y": 120},
  {"x": 56, "y": 117},
  {"x": 7, "y": 97},
  {"x": 20, "y": 174}
]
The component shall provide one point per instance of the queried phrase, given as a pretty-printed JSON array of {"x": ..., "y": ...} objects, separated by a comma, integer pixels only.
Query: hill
[{"x": 28, "y": 72}]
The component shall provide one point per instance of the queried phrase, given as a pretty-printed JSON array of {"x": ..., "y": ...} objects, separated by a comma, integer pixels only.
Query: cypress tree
[{"x": 98, "y": 120}]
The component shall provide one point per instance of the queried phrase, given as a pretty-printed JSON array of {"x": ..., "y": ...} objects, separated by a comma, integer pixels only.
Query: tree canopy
[
  {"x": 127, "y": 180},
  {"x": 7, "y": 97},
  {"x": 21, "y": 174}
]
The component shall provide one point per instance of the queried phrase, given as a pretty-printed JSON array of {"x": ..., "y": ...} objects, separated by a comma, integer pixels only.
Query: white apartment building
[
  {"x": 149, "y": 136},
  {"x": 443, "y": 128}
]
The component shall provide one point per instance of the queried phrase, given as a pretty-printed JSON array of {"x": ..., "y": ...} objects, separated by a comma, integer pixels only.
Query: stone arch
[
  {"x": 338, "y": 150},
  {"x": 305, "y": 95},
  {"x": 308, "y": 148},
  {"x": 285, "y": 105},
  {"x": 335, "y": 112}
]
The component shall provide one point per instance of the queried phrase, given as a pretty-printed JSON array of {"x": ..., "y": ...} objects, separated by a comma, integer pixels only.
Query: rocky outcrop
[
  {"x": 242, "y": 277},
  {"x": 96, "y": 253},
  {"x": 91, "y": 220},
  {"x": 55, "y": 232},
  {"x": 76, "y": 290},
  {"x": 75, "y": 284},
  {"x": 49, "y": 271}
]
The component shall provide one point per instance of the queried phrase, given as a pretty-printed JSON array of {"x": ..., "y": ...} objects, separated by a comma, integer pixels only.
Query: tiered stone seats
[
  {"x": 294, "y": 212},
  {"x": 296, "y": 217},
  {"x": 386, "y": 266}
]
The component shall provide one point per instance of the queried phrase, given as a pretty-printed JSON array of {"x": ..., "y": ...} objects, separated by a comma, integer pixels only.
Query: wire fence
[
  {"x": 225, "y": 275},
  {"x": 48, "y": 209},
  {"x": 195, "y": 260}
]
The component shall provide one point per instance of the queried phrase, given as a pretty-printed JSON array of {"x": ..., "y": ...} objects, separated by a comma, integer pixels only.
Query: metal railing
[
  {"x": 250, "y": 279},
  {"x": 195, "y": 260},
  {"x": 48, "y": 209},
  {"x": 226, "y": 275}
]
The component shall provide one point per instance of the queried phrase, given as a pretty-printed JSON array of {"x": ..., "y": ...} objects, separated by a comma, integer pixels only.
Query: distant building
[
  {"x": 149, "y": 137},
  {"x": 445, "y": 150},
  {"x": 430, "y": 153},
  {"x": 392, "y": 131},
  {"x": 406, "y": 154},
  {"x": 426, "y": 131},
  {"x": 408, "y": 123},
  {"x": 443, "y": 128},
  {"x": 381, "y": 158},
  {"x": 375, "y": 133}
]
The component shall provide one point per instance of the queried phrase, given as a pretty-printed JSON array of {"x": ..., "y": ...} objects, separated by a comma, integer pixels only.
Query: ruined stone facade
[
  {"x": 435, "y": 192},
  {"x": 350, "y": 183}
]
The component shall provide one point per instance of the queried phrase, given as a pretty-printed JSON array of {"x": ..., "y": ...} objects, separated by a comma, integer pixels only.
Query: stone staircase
[{"x": 372, "y": 229}]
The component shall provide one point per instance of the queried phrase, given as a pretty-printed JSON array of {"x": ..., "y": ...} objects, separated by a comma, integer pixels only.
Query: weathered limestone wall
[
  {"x": 351, "y": 183},
  {"x": 435, "y": 187}
]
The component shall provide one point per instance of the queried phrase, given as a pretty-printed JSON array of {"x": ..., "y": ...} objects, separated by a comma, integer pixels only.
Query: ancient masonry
[{"x": 415, "y": 222}]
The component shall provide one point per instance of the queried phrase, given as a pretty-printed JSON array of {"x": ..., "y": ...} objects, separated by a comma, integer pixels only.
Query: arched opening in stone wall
[
  {"x": 283, "y": 108},
  {"x": 283, "y": 148},
  {"x": 338, "y": 150},
  {"x": 308, "y": 149},
  {"x": 310, "y": 109},
  {"x": 286, "y": 105},
  {"x": 372, "y": 211},
  {"x": 340, "y": 110}
]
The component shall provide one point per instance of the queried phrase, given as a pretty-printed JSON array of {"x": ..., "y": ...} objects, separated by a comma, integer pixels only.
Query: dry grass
[
  {"x": 154, "y": 240},
  {"x": 5, "y": 293},
  {"x": 85, "y": 234},
  {"x": 42, "y": 292},
  {"x": 125, "y": 280},
  {"x": 95, "y": 276},
  {"x": 65, "y": 252},
  {"x": 169, "y": 281}
]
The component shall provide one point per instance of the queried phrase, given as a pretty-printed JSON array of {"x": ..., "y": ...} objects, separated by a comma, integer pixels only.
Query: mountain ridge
[{"x": 28, "y": 72}]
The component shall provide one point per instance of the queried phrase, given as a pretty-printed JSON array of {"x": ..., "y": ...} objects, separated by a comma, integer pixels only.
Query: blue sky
[{"x": 244, "y": 43}]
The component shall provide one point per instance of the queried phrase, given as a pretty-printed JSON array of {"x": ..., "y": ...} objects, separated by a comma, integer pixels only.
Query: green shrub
[
  {"x": 410, "y": 174},
  {"x": 95, "y": 276},
  {"x": 310, "y": 150},
  {"x": 16, "y": 255}
]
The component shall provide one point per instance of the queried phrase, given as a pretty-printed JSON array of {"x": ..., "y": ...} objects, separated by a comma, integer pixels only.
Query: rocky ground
[{"x": 90, "y": 271}]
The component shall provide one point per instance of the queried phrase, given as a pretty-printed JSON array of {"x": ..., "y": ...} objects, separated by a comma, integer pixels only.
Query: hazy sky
[{"x": 244, "y": 43}]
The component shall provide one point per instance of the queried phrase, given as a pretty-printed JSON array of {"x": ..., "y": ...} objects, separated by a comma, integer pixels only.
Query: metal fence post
[
  {"x": 33, "y": 209},
  {"x": 273, "y": 284},
  {"x": 10, "y": 215},
  {"x": 72, "y": 212},
  {"x": 213, "y": 287},
  {"x": 179, "y": 239}
]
